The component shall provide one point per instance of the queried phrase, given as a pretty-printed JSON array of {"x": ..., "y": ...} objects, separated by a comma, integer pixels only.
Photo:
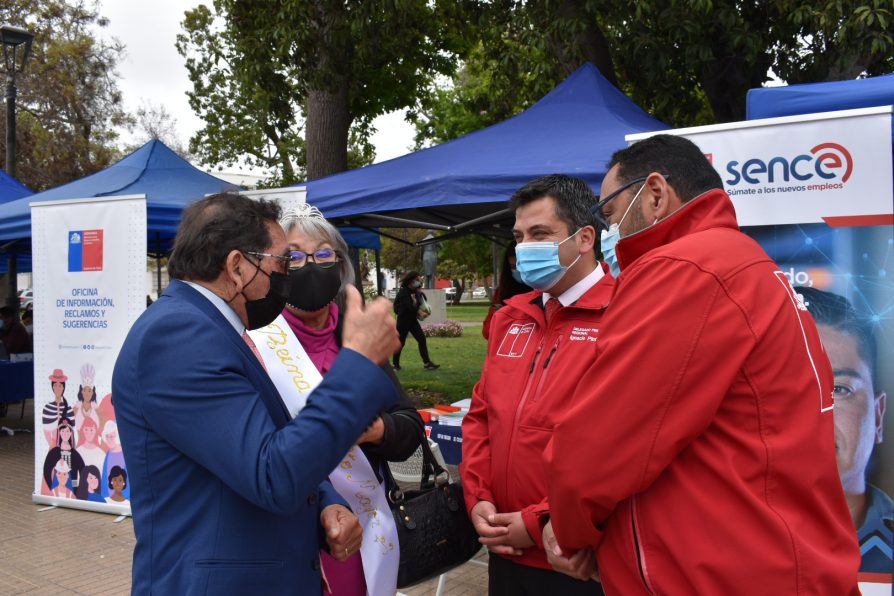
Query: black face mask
[
  {"x": 312, "y": 287},
  {"x": 263, "y": 311}
]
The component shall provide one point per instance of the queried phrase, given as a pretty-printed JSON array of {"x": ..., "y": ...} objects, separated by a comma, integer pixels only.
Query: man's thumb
[{"x": 353, "y": 300}]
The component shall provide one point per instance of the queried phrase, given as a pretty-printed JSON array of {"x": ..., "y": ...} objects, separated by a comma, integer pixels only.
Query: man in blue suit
[{"x": 229, "y": 494}]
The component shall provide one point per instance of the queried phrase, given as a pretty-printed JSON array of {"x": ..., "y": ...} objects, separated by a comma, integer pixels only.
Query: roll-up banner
[
  {"x": 89, "y": 279},
  {"x": 817, "y": 192}
]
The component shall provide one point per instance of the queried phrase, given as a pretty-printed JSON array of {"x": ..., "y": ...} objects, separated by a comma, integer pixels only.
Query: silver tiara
[{"x": 303, "y": 211}]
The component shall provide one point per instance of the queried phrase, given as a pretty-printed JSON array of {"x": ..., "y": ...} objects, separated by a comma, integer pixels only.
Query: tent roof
[
  {"x": 770, "y": 102},
  {"x": 573, "y": 130},
  {"x": 11, "y": 189},
  {"x": 168, "y": 181}
]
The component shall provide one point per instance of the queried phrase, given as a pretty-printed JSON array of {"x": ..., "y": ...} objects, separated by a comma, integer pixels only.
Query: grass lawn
[
  {"x": 468, "y": 311},
  {"x": 461, "y": 359}
]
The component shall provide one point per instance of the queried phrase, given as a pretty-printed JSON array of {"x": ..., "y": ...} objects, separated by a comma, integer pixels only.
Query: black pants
[
  {"x": 413, "y": 327},
  {"x": 506, "y": 578}
]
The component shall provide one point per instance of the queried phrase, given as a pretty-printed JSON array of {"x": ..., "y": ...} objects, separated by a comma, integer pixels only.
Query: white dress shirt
[
  {"x": 573, "y": 294},
  {"x": 225, "y": 309}
]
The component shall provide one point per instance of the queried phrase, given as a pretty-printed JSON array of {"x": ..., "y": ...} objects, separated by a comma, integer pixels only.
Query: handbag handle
[{"x": 432, "y": 472}]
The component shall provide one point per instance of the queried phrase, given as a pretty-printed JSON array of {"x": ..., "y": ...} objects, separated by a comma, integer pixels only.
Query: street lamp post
[{"x": 16, "y": 48}]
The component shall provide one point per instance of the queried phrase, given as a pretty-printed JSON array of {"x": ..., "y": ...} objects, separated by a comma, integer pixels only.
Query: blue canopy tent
[
  {"x": 464, "y": 184},
  {"x": 168, "y": 181},
  {"x": 770, "y": 102},
  {"x": 11, "y": 189}
]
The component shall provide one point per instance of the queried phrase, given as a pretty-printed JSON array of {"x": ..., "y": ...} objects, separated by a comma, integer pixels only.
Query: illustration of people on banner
[{"x": 85, "y": 441}]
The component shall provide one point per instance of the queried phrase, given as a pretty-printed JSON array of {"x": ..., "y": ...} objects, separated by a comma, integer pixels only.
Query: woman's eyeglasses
[{"x": 325, "y": 257}]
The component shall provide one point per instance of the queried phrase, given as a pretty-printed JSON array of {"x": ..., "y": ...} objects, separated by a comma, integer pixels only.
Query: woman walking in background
[{"x": 407, "y": 303}]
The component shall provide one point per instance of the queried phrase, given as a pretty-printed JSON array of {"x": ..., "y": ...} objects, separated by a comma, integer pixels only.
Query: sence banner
[
  {"x": 835, "y": 170},
  {"x": 89, "y": 272}
]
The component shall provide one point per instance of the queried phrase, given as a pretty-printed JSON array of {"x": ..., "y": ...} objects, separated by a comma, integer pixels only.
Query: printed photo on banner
[{"x": 843, "y": 276}]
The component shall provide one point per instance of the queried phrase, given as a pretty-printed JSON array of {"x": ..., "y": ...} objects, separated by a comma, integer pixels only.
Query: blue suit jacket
[{"x": 227, "y": 489}]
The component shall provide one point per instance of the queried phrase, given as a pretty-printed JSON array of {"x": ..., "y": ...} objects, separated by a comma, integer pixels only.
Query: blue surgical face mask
[
  {"x": 539, "y": 264},
  {"x": 516, "y": 275},
  {"x": 610, "y": 237}
]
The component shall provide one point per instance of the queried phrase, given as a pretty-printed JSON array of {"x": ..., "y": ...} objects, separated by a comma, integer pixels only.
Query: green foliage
[
  {"x": 267, "y": 74},
  {"x": 686, "y": 62},
  {"x": 244, "y": 99},
  {"x": 68, "y": 103},
  {"x": 456, "y": 270},
  {"x": 838, "y": 40},
  {"x": 400, "y": 256},
  {"x": 154, "y": 121},
  {"x": 464, "y": 260}
]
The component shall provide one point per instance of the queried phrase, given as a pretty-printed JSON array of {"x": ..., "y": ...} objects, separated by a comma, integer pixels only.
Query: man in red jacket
[
  {"x": 540, "y": 343},
  {"x": 698, "y": 456}
]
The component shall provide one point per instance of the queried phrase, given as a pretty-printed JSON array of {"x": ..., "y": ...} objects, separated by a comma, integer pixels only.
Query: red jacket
[
  {"x": 526, "y": 384},
  {"x": 699, "y": 455}
]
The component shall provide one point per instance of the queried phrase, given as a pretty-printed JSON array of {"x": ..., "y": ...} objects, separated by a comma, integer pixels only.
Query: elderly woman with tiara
[{"x": 298, "y": 349}]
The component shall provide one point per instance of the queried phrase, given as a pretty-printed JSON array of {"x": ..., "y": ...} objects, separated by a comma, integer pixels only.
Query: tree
[
  {"x": 459, "y": 273},
  {"x": 723, "y": 48},
  {"x": 292, "y": 82},
  {"x": 245, "y": 103},
  {"x": 68, "y": 104},
  {"x": 405, "y": 256},
  {"x": 154, "y": 121},
  {"x": 686, "y": 62},
  {"x": 465, "y": 258}
]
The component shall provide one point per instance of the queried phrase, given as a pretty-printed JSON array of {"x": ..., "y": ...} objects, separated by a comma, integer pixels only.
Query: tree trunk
[
  {"x": 726, "y": 82},
  {"x": 725, "y": 86},
  {"x": 590, "y": 42},
  {"x": 459, "y": 288},
  {"x": 328, "y": 121}
]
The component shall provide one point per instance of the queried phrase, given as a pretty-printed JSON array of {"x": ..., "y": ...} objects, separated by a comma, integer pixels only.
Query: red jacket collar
[
  {"x": 713, "y": 209},
  {"x": 595, "y": 298}
]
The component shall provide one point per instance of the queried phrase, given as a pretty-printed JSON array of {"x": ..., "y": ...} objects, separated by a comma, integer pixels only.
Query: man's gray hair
[{"x": 310, "y": 222}]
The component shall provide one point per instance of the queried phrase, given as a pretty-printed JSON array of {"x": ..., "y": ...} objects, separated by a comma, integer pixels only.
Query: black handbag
[{"x": 433, "y": 529}]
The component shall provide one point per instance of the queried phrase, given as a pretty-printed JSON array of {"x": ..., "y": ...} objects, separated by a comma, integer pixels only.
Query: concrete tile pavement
[{"x": 71, "y": 552}]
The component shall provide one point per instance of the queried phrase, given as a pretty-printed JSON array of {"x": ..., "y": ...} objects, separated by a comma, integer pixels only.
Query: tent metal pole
[
  {"x": 493, "y": 251},
  {"x": 484, "y": 218},
  {"x": 354, "y": 256},
  {"x": 13, "y": 272},
  {"x": 379, "y": 289},
  {"x": 385, "y": 234},
  {"x": 457, "y": 234},
  {"x": 407, "y": 223}
]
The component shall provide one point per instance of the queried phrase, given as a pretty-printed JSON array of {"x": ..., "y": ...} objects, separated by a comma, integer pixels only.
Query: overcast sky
[{"x": 152, "y": 72}]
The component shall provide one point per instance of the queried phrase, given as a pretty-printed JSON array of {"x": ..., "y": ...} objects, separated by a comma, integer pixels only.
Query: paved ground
[{"x": 70, "y": 552}]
